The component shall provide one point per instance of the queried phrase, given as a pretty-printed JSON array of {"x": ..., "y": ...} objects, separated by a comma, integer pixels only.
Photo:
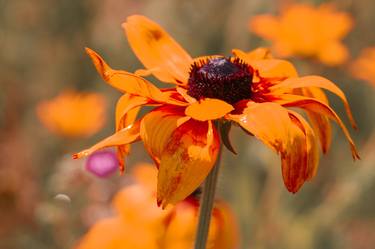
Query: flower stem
[{"x": 206, "y": 205}]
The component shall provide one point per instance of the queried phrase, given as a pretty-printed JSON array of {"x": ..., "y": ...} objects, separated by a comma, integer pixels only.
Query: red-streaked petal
[
  {"x": 157, "y": 128},
  {"x": 208, "y": 109},
  {"x": 127, "y": 135},
  {"x": 156, "y": 49},
  {"x": 271, "y": 123},
  {"x": 314, "y": 105},
  {"x": 186, "y": 161},
  {"x": 313, "y": 81},
  {"x": 312, "y": 150},
  {"x": 320, "y": 124}
]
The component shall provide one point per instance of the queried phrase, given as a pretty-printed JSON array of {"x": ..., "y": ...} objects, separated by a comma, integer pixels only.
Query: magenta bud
[{"x": 102, "y": 163}]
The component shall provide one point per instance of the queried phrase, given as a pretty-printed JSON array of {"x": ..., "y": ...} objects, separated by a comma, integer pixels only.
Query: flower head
[
  {"x": 306, "y": 31},
  {"x": 73, "y": 114},
  {"x": 139, "y": 224},
  {"x": 251, "y": 90},
  {"x": 364, "y": 66}
]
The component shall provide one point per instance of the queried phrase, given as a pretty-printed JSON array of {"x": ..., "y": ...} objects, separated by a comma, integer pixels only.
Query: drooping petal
[
  {"x": 313, "y": 81},
  {"x": 271, "y": 123},
  {"x": 157, "y": 128},
  {"x": 124, "y": 81},
  {"x": 127, "y": 135},
  {"x": 208, "y": 109},
  {"x": 320, "y": 124},
  {"x": 314, "y": 105},
  {"x": 156, "y": 49},
  {"x": 187, "y": 159},
  {"x": 312, "y": 156}
]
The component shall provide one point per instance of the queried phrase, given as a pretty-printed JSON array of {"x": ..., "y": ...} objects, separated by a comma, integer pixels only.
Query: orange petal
[
  {"x": 321, "y": 108},
  {"x": 157, "y": 128},
  {"x": 125, "y": 81},
  {"x": 156, "y": 49},
  {"x": 268, "y": 121},
  {"x": 208, "y": 109},
  {"x": 313, "y": 81},
  {"x": 271, "y": 123},
  {"x": 311, "y": 147},
  {"x": 268, "y": 68},
  {"x": 186, "y": 161},
  {"x": 320, "y": 124},
  {"x": 127, "y": 135}
]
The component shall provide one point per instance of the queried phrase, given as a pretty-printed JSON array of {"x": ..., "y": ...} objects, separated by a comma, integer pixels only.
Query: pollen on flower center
[{"x": 221, "y": 78}]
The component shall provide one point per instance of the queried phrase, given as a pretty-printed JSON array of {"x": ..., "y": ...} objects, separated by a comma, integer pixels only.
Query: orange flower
[
  {"x": 251, "y": 90},
  {"x": 140, "y": 224},
  {"x": 73, "y": 114},
  {"x": 364, "y": 66},
  {"x": 306, "y": 31}
]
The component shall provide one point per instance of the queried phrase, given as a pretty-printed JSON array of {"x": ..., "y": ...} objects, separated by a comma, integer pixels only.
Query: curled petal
[
  {"x": 320, "y": 108},
  {"x": 187, "y": 159},
  {"x": 313, "y": 81},
  {"x": 156, "y": 49},
  {"x": 127, "y": 135},
  {"x": 208, "y": 109},
  {"x": 320, "y": 124},
  {"x": 311, "y": 147},
  {"x": 157, "y": 128}
]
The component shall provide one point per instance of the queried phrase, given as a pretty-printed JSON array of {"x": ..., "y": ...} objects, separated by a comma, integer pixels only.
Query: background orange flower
[
  {"x": 364, "y": 66},
  {"x": 73, "y": 114},
  {"x": 306, "y": 31}
]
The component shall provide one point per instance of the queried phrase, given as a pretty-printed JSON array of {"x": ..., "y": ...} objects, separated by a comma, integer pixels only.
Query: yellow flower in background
[
  {"x": 251, "y": 90},
  {"x": 73, "y": 114},
  {"x": 140, "y": 224},
  {"x": 364, "y": 66},
  {"x": 306, "y": 31}
]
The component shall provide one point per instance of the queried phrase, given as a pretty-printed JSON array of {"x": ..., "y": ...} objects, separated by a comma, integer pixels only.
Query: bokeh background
[{"x": 42, "y": 53}]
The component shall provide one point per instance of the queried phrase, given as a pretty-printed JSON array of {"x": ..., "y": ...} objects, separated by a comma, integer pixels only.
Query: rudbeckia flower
[
  {"x": 251, "y": 90},
  {"x": 140, "y": 224},
  {"x": 306, "y": 31},
  {"x": 73, "y": 114},
  {"x": 364, "y": 66}
]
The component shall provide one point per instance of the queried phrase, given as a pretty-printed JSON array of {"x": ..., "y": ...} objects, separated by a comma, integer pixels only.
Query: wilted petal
[
  {"x": 271, "y": 123},
  {"x": 208, "y": 109},
  {"x": 321, "y": 108},
  {"x": 186, "y": 160},
  {"x": 157, "y": 50}
]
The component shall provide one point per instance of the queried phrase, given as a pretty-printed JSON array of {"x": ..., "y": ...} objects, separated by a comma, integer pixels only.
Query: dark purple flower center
[{"x": 221, "y": 78}]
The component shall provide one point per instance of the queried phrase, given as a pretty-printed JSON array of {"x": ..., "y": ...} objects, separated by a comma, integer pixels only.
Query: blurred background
[{"x": 48, "y": 200}]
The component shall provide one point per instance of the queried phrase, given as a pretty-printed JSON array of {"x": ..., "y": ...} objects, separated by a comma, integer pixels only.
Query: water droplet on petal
[{"x": 102, "y": 163}]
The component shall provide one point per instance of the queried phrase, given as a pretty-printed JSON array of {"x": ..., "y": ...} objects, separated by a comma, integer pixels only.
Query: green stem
[{"x": 206, "y": 205}]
